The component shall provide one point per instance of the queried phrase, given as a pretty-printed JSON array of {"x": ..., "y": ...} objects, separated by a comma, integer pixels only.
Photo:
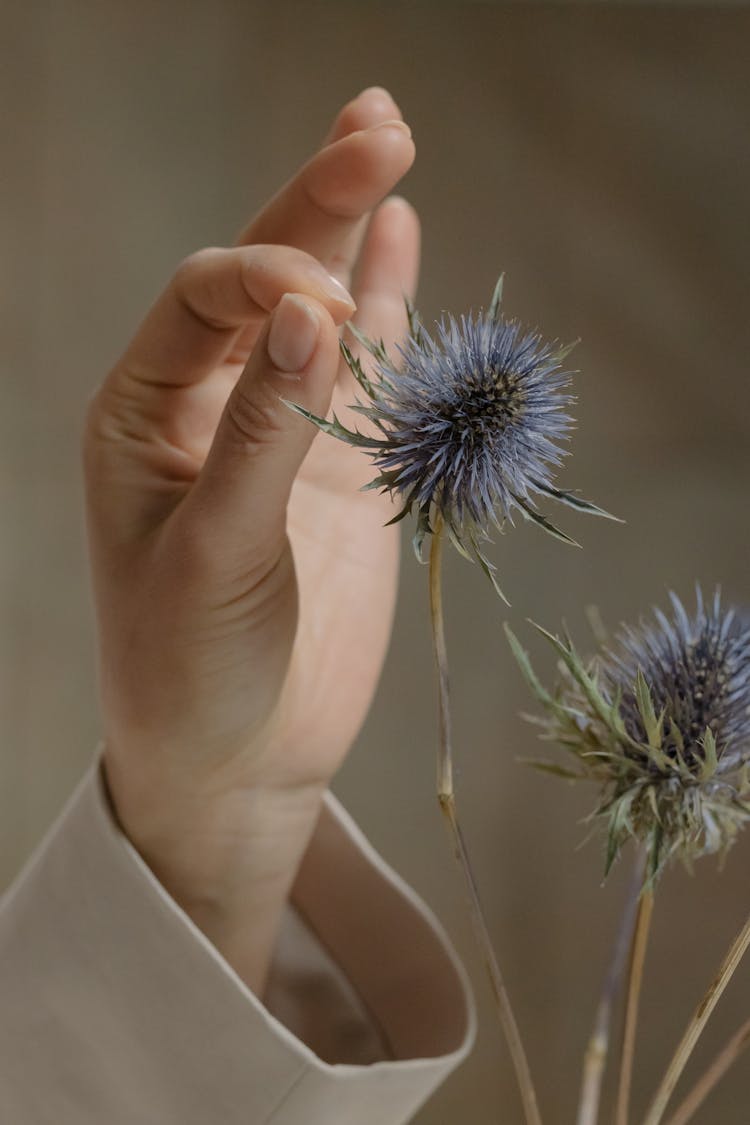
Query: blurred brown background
[{"x": 600, "y": 156}]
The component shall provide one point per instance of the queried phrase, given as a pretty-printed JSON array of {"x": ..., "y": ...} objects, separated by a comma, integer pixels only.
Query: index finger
[{"x": 215, "y": 294}]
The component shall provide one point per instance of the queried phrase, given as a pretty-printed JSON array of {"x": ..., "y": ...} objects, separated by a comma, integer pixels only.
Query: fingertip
[
  {"x": 377, "y": 103},
  {"x": 302, "y": 346},
  {"x": 332, "y": 295},
  {"x": 323, "y": 313},
  {"x": 375, "y": 95},
  {"x": 399, "y": 208},
  {"x": 395, "y": 227},
  {"x": 326, "y": 345},
  {"x": 389, "y": 268},
  {"x": 392, "y": 145},
  {"x": 371, "y": 105},
  {"x": 269, "y": 271},
  {"x": 349, "y": 178},
  {"x": 343, "y": 302},
  {"x": 293, "y": 334}
]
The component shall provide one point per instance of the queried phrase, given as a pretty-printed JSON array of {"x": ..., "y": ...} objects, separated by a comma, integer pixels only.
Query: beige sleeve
[{"x": 115, "y": 1008}]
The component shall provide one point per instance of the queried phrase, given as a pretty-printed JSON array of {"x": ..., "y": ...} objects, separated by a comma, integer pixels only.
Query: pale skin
[{"x": 244, "y": 586}]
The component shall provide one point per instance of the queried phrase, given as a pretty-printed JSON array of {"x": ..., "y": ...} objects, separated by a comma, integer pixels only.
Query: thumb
[{"x": 239, "y": 501}]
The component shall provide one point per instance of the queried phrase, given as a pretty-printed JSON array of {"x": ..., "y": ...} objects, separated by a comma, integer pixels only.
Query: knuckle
[
  {"x": 254, "y": 416},
  {"x": 101, "y": 416},
  {"x": 198, "y": 286},
  {"x": 209, "y": 283},
  {"x": 120, "y": 408},
  {"x": 91, "y": 414},
  {"x": 91, "y": 431},
  {"x": 195, "y": 264},
  {"x": 277, "y": 261},
  {"x": 196, "y": 554}
]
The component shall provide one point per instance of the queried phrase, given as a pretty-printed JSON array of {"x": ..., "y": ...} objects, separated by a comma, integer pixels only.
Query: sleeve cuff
[{"x": 116, "y": 1007}]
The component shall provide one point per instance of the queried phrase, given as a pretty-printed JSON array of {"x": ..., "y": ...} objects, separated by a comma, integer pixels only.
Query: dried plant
[
  {"x": 464, "y": 428},
  {"x": 660, "y": 721},
  {"x": 465, "y": 425}
]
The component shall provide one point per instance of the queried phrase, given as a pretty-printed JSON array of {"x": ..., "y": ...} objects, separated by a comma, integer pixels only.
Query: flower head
[
  {"x": 466, "y": 425},
  {"x": 660, "y": 719}
]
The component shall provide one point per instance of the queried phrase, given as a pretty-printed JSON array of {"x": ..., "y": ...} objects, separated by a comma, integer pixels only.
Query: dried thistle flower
[
  {"x": 660, "y": 719},
  {"x": 466, "y": 425}
]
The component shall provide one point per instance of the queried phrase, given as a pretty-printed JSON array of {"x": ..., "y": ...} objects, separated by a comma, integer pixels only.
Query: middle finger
[{"x": 321, "y": 208}]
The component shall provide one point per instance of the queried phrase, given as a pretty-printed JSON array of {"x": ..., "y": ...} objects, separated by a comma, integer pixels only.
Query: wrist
[{"x": 229, "y": 861}]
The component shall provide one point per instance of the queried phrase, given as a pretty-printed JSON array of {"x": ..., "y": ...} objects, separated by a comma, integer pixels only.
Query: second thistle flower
[
  {"x": 466, "y": 426},
  {"x": 660, "y": 719}
]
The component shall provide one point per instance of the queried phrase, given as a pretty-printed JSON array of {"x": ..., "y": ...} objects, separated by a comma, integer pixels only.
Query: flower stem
[
  {"x": 595, "y": 1059},
  {"x": 445, "y": 744},
  {"x": 712, "y": 1075},
  {"x": 447, "y": 803},
  {"x": 696, "y": 1025},
  {"x": 635, "y": 979}
]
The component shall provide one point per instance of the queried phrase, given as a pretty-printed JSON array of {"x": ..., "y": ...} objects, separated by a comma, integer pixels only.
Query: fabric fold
[{"x": 114, "y": 1007}]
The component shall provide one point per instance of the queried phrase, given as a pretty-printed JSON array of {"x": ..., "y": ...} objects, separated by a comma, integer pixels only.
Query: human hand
[{"x": 244, "y": 588}]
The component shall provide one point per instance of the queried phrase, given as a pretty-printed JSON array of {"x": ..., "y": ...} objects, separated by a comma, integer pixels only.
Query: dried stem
[
  {"x": 696, "y": 1025},
  {"x": 448, "y": 806},
  {"x": 595, "y": 1059},
  {"x": 635, "y": 979},
  {"x": 712, "y": 1075},
  {"x": 445, "y": 744}
]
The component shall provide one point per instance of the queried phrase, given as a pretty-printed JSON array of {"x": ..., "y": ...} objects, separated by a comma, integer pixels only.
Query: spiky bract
[
  {"x": 465, "y": 426},
  {"x": 661, "y": 720}
]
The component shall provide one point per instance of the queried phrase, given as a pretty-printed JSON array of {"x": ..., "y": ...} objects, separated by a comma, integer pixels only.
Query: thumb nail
[{"x": 294, "y": 334}]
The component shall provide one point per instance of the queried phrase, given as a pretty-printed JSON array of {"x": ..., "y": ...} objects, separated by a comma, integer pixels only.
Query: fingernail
[
  {"x": 294, "y": 334},
  {"x": 394, "y": 123},
  {"x": 337, "y": 290}
]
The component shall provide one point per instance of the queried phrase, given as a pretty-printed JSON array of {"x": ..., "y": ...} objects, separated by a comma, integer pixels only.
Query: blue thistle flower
[
  {"x": 466, "y": 425},
  {"x": 660, "y": 719}
]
